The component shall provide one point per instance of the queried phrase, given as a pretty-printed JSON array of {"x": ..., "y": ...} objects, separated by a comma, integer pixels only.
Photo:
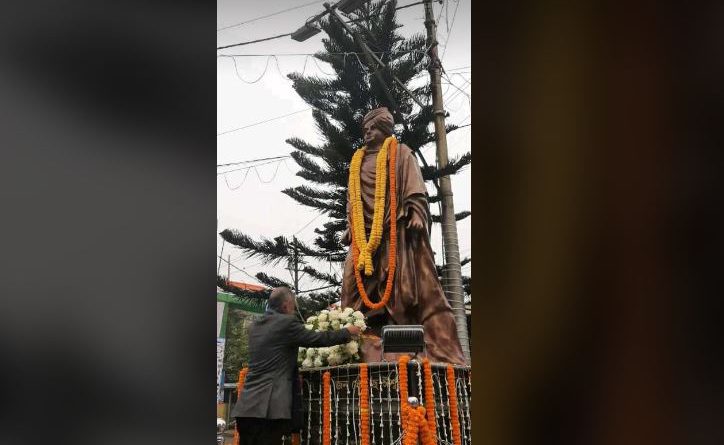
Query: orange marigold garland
[
  {"x": 454, "y": 415},
  {"x": 364, "y": 405},
  {"x": 392, "y": 257},
  {"x": 429, "y": 397},
  {"x": 414, "y": 424},
  {"x": 402, "y": 373},
  {"x": 239, "y": 387},
  {"x": 368, "y": 247},
  {"x": 326, "y": 410}
]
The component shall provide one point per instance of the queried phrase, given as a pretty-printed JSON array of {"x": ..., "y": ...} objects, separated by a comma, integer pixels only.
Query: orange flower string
[
  {"x": 402, "y": 372},
  {"x": 454, "y": 415},
  {"x": 414, "y": 425},
  {"x": 295, "y": 439},
  {"x": 239, "y": 388},
  {"x": 364, "y": 405},
  {"x": 429, "y": 396},
  {"x": 392, "y": 257},
  {"x": 326, "y": 409}
]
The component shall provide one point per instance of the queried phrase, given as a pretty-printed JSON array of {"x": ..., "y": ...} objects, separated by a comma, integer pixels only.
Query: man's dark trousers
[{"x": 253, "y": 431}]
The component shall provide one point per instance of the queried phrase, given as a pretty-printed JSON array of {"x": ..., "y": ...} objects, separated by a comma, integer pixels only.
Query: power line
[
  {"x": 270, "y": 55},
  {"x": 444, "y": 74},
  {"x": 317, "y": 288},
  {"x": 462, "y": 77},
  {"x": 270, "y": 179},
  {"x": 256, "y": 170},
  {"x": 289, "y": 34},
  {"x": 268, "y": 15},
  {"x": 379, "y": 53},
  {"x": 250, "y": 166},
  {"x": 450, "y": 31},
  {"x": 240, "y": 269},
  {"x": 407, "y": 6},
  {"x": 254, "y": 41},
  {"x": 306, "y": 58},
  {"x": 251, "y": 161},
  {"x": 437, "y": 20},
  {"x": 463, "y": 120},
  {"x": 457, "y": 68},
  {"x": 266, "y": 66},
  {"x": 263, "y": 122},
  {"x": 307, "y": 224}
]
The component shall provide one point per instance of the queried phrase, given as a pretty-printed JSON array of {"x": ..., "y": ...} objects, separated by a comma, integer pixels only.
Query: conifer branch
[
  {"x": 451, "y": 168},
  {"x": 458, "y": 216}
]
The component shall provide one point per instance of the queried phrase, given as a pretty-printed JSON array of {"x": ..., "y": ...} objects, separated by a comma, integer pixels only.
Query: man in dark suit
[{"x": 264, "y": 409}]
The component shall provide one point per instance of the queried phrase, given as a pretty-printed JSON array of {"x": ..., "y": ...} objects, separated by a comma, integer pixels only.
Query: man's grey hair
[{"x": 279, "y": 295}]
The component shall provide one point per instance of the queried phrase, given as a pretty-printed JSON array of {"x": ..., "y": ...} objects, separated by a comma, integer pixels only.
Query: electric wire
[
  {"x": 254, "y": 41},
  {"x": 267, "y": 16},
  {"x": 289, "y": 34},
  {"x": 263, "y": 122},
  {"x": 307, "y": 224},
  {"x": 251, "y": 161},
  {"x": 450, "y": 31}
]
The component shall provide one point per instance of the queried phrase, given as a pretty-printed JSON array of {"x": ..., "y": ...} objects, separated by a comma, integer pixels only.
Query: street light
[
  {"x": 348, "y": 6},
  {"x": 306, "y": 31},
  {"x": 403, "y": 338}
]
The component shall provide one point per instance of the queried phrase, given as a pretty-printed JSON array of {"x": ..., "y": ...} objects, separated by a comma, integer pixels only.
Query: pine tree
[{"x": 339, "y": 103}]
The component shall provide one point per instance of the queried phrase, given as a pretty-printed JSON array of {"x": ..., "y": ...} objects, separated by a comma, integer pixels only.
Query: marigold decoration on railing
[
  {"x": 402, "y": 373},
  {"x": 326, "y": 409},
  {"x": 364, "y": 405},
  {"x": 414, "y": 424},
  {"x": 363, "y": 250},
  {"x": 454, "y": 415},
  {"x": 239, "y": 387},
  {"x": 429, "y": 396}
]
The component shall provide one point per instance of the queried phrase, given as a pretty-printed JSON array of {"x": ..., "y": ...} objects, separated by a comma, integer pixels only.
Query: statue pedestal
[
  {"x": 384, "y": 402},
  {"x": 371, "y": 351}
]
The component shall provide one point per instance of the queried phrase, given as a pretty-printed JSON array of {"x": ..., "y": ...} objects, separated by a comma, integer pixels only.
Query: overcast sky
[{"x": 250, "y": 200}]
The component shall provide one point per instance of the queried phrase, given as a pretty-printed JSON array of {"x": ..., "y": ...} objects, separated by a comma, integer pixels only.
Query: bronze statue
[{"x": 414, "y": 296}]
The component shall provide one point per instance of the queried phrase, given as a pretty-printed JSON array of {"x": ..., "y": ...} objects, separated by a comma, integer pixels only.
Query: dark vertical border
[
  {"x": 108, "y": 204},
  {"x": 598, "y": 222}
]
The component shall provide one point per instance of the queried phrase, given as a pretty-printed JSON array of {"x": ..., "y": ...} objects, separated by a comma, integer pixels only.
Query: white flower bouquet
[{"x": 332, "y": 320}]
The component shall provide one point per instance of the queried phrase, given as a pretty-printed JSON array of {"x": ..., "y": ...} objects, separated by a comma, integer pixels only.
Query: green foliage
[
  {"x": 236, "y": 353},
  {"x": 339, "y": 101},
  {"x": 458, "y": 216},
  {"x": 313, "y": 302},
  {"x": 430, "y": 173}
]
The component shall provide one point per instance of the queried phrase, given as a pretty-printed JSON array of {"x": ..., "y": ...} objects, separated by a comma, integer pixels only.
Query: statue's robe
[{"x": 417, "y": 296}]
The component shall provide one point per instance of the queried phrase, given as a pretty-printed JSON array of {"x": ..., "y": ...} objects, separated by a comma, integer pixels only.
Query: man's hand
[
  {"x": 354, "y": 330},
  {"x": 415, "y": 222}
]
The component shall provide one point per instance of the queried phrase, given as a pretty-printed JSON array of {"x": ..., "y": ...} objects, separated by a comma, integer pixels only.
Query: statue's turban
[{"x": 382, "y": 119}]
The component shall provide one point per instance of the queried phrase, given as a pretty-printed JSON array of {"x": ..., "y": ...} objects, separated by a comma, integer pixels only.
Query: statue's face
[{"x": 373, "y": 135}]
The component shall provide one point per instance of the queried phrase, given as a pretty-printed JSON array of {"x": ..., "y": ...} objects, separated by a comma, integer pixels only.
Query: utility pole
[
  {"x": 452, "y": 276},
  {"x": 218, "y": 269}
]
